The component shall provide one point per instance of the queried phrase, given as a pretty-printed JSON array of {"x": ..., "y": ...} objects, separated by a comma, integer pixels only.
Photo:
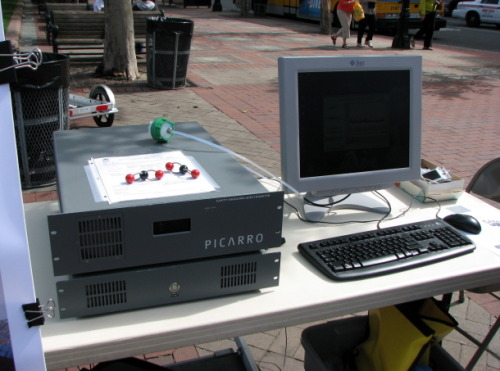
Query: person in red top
[{"x": 344, "y": 12}]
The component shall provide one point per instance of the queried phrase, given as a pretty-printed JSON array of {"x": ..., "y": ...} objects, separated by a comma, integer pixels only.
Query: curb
[{"x": 13, "y": 30}]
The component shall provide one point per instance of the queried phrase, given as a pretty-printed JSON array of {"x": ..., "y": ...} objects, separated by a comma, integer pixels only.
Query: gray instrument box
[
  {"x": 240, "y": 216},
  {"x": 166, "y": 284}
]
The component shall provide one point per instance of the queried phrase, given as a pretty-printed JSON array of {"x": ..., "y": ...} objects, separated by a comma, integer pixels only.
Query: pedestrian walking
[
  {"x": 368, "y": 22},
  {"x": 344, "y": 13},
  {"x": 427, "y": 9}
]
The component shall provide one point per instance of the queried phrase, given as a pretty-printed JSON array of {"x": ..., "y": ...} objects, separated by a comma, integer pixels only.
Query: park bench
[
  {"x": 81, "y": 32},
  {"x": 44, "y": 6}
]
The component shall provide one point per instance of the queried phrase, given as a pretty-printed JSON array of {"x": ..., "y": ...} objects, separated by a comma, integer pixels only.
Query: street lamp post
[
  {"x": 217, "y": 7},
  {"x": 402, "y": 38}
]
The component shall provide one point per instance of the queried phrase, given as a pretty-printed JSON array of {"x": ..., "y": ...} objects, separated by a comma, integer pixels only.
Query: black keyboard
[{"x": 386, "y": 250}]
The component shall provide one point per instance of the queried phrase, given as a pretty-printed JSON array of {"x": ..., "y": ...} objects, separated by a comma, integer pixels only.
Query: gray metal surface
[
  {"x": 114, "y": 239},
  {"x": 74, "y": 148},
  {"x": 88, "y": 236},
  {"x": 168, "y": 284}
]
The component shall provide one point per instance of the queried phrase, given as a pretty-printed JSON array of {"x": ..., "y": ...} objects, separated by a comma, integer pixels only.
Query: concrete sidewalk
[{"x": 233, "y": 93}]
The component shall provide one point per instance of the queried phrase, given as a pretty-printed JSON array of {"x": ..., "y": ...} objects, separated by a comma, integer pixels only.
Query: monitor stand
[{"x": 356, "y": 201}]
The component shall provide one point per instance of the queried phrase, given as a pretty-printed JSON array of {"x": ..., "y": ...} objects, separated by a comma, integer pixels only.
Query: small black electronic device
[{"x": 464, "y": 222}]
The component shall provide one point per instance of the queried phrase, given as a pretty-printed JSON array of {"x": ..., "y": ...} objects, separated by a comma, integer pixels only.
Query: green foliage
[{"x": 8, "y": 7}]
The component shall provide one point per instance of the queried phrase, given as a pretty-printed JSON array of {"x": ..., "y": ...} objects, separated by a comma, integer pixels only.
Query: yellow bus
[{"x": 388, "y": 12}]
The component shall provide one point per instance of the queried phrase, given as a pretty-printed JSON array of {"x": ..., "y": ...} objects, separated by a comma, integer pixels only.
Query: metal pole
[
  {"x": 176, "y": 54},
  {"x": 402, "y": 39}
]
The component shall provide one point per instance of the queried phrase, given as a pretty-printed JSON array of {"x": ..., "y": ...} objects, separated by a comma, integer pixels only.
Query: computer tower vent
[
  {"x": 106, "y": 294},
  {"x": 101, "y": 238},
  {"x": 238, "y": 275}
]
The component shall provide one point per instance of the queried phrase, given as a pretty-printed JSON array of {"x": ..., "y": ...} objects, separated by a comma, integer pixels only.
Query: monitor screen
[{"x": 349, "y": 124}]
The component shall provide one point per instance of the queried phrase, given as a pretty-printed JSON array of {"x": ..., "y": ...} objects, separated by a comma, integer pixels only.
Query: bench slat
[
  {"x": 66, "y": 6},
  {"x": 86, "y": 27}
]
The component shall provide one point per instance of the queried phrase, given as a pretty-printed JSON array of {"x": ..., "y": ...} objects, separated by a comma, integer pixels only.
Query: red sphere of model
[
  {"x": 159, "y": 174},
  {"x": 130, "y": 178},
  {"x": 169, "y": 166},
  {"x": 195, "y": 173}
]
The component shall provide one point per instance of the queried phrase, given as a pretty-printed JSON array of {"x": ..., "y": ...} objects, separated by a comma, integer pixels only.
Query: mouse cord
[{"x": 439, "y": 206}]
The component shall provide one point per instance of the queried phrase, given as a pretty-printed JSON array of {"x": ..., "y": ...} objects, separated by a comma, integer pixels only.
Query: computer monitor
[{"x": 349, "y": 124}]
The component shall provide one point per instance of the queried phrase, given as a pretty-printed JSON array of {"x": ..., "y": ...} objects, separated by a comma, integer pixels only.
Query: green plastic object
[{"x": 162, "y": 129}]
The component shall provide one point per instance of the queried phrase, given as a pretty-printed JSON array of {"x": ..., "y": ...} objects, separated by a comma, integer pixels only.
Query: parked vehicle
[
  {"x": 450, "y": 6},
  {"x": 478, "y": 11}
]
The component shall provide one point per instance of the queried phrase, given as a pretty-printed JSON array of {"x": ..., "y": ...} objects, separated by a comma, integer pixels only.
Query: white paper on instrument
[{"x": 109, "y": 175}]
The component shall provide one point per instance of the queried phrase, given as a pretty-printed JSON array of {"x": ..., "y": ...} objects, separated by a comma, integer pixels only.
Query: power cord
[{"x": 327, "y": 205}]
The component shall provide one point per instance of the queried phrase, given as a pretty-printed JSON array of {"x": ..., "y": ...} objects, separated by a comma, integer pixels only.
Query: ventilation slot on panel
[
  {"x": 101, "y": 238},
  {"x": 106, "y": 294},
  {"x": 238, "y": 275}
]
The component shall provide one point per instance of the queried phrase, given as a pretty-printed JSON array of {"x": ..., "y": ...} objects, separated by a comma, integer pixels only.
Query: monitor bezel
[{"x": 288, "y": 71}]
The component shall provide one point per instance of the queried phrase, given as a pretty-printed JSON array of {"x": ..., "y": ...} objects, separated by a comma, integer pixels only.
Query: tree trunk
[
  {"x": 119, "y": 46},
  {"x": 325, "y": 25}
]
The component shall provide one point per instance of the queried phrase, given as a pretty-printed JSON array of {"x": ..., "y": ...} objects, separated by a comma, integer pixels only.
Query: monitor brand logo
[
  {"x": 357, "y": 63},
  {"x": 233, "y": 241}
]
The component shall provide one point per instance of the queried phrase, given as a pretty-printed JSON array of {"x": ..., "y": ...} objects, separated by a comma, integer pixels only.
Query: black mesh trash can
[
  {"x": 40, "y": 107},
  {"x": 168, "y": 42}
]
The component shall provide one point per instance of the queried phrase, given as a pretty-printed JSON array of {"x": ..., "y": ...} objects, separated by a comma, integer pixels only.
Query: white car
[{"x": 478, "y": 11}]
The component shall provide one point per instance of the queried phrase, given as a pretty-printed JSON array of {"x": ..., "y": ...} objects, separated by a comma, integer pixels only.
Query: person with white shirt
[
  {"x": 98, "y": 5},
  {"x": 144, "y": 5}
]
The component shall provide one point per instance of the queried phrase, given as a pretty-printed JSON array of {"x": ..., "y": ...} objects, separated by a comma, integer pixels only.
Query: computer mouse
[{"x": 463, "y": 222}]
